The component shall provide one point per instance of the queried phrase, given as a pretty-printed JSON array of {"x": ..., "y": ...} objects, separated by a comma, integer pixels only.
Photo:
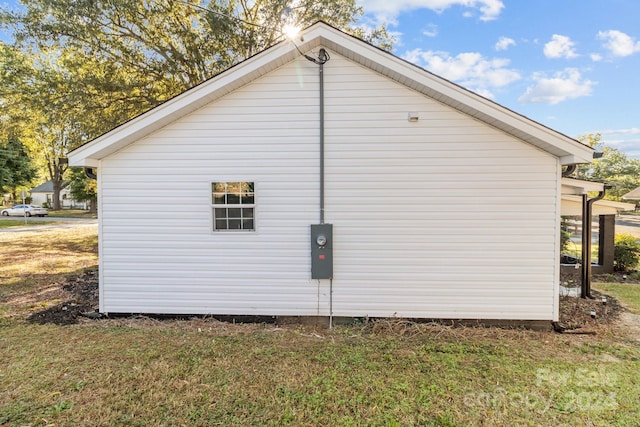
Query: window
[{"x": 233, "y": 206}]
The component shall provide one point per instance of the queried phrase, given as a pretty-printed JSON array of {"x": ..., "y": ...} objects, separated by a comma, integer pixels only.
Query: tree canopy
[
  {"x": 78, "y": 68},
  {"x": 114, "y": 59},
  {"x": 614, "y": 168},
  {"x": 16, "y": 168},
  {"x": 82, "y": 189}
]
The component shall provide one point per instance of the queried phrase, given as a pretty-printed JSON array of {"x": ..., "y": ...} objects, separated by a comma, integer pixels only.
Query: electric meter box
[{"x": 322, "y": 251}]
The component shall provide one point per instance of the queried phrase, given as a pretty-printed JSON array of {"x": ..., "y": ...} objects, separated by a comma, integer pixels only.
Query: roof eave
[
  {"x": 89, "y": 154},
  {"x": 568, "y": 150}
]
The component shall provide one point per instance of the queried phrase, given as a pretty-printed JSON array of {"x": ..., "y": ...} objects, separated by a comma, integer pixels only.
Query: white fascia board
[
  {"x": 572, "y": 205},
  {"x": 182, "y": 104},
  {"x": 578, "y": 186},
  {"x": 567, "y": 149}
]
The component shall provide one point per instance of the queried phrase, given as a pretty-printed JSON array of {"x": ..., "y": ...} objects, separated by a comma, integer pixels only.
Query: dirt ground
[{"x": 79, "y": 296}]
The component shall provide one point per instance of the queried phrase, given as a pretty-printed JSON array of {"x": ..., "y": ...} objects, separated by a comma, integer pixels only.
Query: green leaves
[
  {"x": 78, "y": 68},
  {"x": 614, "y": 168},
  {"x": 16, "y": 168}
]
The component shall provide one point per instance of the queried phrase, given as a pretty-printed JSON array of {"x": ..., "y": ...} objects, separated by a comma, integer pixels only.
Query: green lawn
[
  {"x": 629, "y": 293},
  {"x": 143, "y": 372},
  {"x": 20, "y": 223},
  {"x": 71, "y": 213}
]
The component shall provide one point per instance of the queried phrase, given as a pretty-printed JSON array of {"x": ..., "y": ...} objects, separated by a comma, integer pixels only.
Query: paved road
[
  {"x": 60, "y": 223},
  {"x": 628, "y": 224}
]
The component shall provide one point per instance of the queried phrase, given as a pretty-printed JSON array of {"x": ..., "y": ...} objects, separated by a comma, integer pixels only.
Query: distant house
[
  {"x": 632, "y": 195},
  {"x": 360, "y": 185},
  {"x": 43, "y": 194}
]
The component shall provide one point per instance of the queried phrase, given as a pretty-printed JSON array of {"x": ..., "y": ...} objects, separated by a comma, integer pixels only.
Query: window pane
[
  {"x": 228, "y": 197},
  {"x": 247, "y": 199},
  {"x": 234, "y": 187},
  {"x": 233, "y": 199}
]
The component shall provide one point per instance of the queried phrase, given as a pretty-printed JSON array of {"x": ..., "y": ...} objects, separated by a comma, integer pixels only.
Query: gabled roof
[
  {"x": 47, "y": 187},
  {"x": 567, "y": 149},
  {"x": 632, "y": 195}
]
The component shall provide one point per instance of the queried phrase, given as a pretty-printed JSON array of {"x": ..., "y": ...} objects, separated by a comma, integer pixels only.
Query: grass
[
  {"x": 4, "y": 223},
  {"x": 139, "y": 372},
  {"x": 71, "y": 213},
  {"x": 626, "y": 292},
  {"x": 259, "y": 375},
  {"x": 33, "y": 262}
]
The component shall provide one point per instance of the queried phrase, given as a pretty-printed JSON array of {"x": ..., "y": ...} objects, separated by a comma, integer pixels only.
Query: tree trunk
[
  {"x": 56, "y": 173},
  {"x": 57, "y": 187},
  {"x": 93, "y": 206}
]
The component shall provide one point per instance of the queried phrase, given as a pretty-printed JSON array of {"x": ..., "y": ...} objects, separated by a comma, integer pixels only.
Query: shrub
[
  {"x": 626, "y": 252},
  {"x": 565, "y": 234}
]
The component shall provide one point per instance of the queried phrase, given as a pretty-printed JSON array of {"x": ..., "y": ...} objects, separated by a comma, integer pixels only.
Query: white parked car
[{"x": 22, "y": 210}]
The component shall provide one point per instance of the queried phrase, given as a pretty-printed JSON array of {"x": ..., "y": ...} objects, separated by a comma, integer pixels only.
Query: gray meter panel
[{"x": 322, "y": 251}]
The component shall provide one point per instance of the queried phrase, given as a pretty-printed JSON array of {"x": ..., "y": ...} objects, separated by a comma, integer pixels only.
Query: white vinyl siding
[{"x": 443, "y": 218}]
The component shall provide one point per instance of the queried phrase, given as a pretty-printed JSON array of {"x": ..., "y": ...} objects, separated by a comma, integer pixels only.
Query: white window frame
[{"x": 241, "y": 203}]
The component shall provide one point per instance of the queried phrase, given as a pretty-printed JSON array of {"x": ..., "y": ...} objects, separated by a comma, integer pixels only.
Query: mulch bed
[
  {"x": 82, "y": 303},
  {"x": 82, "y": 300},
  {"x": 587, "y": 313}
]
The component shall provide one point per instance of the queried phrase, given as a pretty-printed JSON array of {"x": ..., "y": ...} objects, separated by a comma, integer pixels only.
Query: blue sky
[{"x": 573, "y": 65}]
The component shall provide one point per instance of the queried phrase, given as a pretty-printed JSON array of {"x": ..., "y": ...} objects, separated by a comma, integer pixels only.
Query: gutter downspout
[
  {"x": 569, "y": 170},
  {"x": 587, "y": 210},
  {"x": 90, "y": 173}
]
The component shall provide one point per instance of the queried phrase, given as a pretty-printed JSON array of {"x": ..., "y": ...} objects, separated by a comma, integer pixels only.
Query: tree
[
  {"x": 78, "y": 68},
  {"x": 614, "y": 168},
  {"x": 35, "y": 103},
  {"x": 83, "y": 189},
  {"x": 16, "y": 168},
  {"x": 124, "y": 57}
]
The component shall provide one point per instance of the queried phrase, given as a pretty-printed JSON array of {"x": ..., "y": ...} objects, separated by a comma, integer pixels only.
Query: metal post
[
  {"x": 587, "y": 209},
  {"x": 322, "y": 56}
]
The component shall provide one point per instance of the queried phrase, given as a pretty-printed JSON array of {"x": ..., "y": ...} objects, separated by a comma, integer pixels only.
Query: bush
[
  {"x": 565, "y": 234},
  {"x": 626, "y": 252}
]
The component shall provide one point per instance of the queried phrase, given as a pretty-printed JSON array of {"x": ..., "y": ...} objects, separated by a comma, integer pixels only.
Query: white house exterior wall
[{"x": 443, "y": 218}]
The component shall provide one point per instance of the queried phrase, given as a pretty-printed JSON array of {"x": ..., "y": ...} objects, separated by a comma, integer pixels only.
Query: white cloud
[
  {"x": 560, "y": 47},
  {"x": 619, "y": 43},
  {"x": 625, "y": 140},
  {"x": 388, "y": 10},
  {"x": 628, "y": 131},
  {"x": 430, "y": 30},
  {"x": 469, "y": 69},
  {"x": 596, "y": 57},
  {"x": 562, "y": 86},
  {"x": 504, "y": 43}
]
